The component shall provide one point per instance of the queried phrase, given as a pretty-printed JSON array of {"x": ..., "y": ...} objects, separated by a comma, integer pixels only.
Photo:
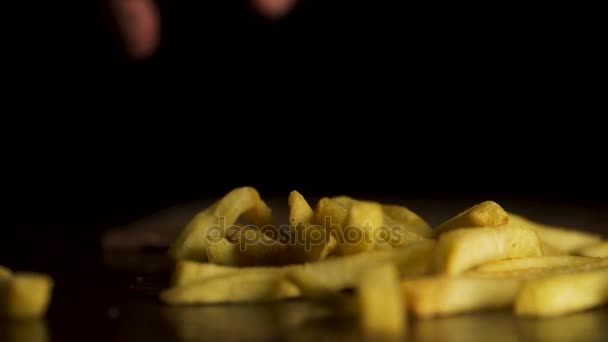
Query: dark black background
[{"x": 416, "y": 98}]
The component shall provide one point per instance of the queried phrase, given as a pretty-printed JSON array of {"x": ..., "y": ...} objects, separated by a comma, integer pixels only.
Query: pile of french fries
[{"x": 483, "y": 258}]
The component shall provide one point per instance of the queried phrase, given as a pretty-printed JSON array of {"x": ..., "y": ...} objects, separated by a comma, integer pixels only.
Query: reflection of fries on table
[{"x": 483, "y": 258}]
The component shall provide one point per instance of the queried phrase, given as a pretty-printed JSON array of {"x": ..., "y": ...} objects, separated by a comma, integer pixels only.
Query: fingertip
[
  {"x": 274, "y": 9},
  {"x": 139, "y": 25}
]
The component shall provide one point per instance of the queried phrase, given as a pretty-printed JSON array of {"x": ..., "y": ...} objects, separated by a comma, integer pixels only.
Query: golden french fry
[
  {"x": 299, "y": 209},
  {"x": 308, "y": 241},
  {"x": 259, "y": 249},
  {"x": 485, "y": 214},
  {"x": 543, "y": 262},
  {"x": 224, "y": 252},
  {"x": 361, "y": 229},
  {"x": 5, "y": 272},
  {"x": 334, "y": 274},
  {"x": 395, "y": 234},
  {"x": 562, "y": 239},
  {"x": 462, "y": 249},
  {"x": 188, "y": 272},
  {"x": 233, "y": 288},
  {"x": 382, "y": 312},
  {"x": 332, "y": 215},
  {"x": 192, "y": 242},
  {"x": 447, "y": 295},
  {"x": 549, "y": 250},
  {"x": 563, "y": 293},
  {"x": 532, "y": 273},
  {"x": 406, "y": 219},
  {"x": 25, "y": 295},
  {"x": 599, "y": 250}
]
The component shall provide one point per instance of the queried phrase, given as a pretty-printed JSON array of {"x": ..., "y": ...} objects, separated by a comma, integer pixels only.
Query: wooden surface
[{"x": 116, "y": 300}]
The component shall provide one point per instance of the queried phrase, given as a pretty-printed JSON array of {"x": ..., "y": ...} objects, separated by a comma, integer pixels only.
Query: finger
[
  {"x": 274, "y": 9},
  {"x": 139, "y": 25}
]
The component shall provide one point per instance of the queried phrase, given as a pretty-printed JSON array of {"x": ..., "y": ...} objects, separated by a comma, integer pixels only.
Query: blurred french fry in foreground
[
  {"x": 561, "y": 239},
  {"x": 599, "y": 250},
  {"x": 25, "y": 295},
  {"x": 462, "y": 249},
  {"x": 563, "y": 293},
  {"x": 446, "y": 295},
  {"x": 382, "y": 312},
  {"x": 485, "y": 214}
]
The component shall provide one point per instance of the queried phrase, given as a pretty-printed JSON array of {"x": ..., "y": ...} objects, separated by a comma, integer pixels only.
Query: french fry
[
  {"x": 224, "y": 252},
  {"x": 382, "y": 312},
  {"x": 192, "y": 242},
  {"x": 362, "y": 224},
  {"x": 599, "y": 250},
  {"x": 332, "y": 215},
  {"x": 447, "y": 295},
  {"x": 299, "y": 209},
  {"x": 308, "y": 241},
  {"x": 406, "y": 219},
  {"x": 188, "y": 272},
  {"x": 543, "y": 262},
  {"x": 462, "y": 249},
  {"x": 563, "y": 293},
  {"x": 5, "y": 272},
  {"x": 233, "y": 288},
  {"x": 549, "y": 250},
  {"x": 25, "y": 295},
  {"x": 485, "y": 214},
  {"x": 562, "y": 239},
  {"x": 333, "y": 274}
]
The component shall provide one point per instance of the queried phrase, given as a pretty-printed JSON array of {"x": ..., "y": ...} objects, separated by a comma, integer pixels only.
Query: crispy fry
[
  {"x": 549, "y": 250},
  {"x": 308, "y": 241},
  {"x": 232, "y": 288},
  {"x": 25, "y": 295},
  {"x": 485, "y": 214},
  {"x": 382, "y": 312},
  {"x": 446, "y": 295},
  {"x": 334, "y": 274},
  {"x": 362, "y": 225},
  {"x": 599, "y": 250},
  {"x": 562, "y": 239},
  {"x": 332, "y": 215},
  {"x": 188, "y": 272},
  {"x": 463, "y": 249},
  {"x": 406, "y": 219},
  {"x": 543, "y": 262},
  {"x": 224, "y": 252},
  {"x": 563, "y": 293},
  {"x": 192, "y": 242},
  {"x": 299, "y": 209}
]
